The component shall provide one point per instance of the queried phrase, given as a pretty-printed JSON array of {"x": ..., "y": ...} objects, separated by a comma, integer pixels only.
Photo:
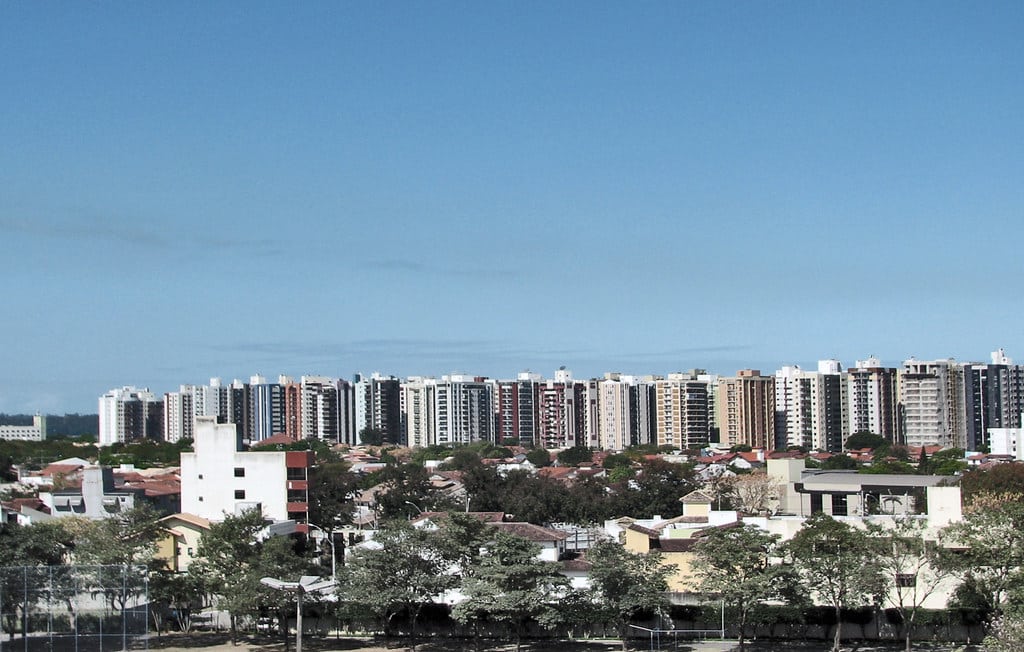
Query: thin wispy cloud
[
  {"x": 420, "y": 267},
  {"x": 93, "y": 229},
  {"x": 440, "y": 356},
  {"x": 134, "y": 233}
]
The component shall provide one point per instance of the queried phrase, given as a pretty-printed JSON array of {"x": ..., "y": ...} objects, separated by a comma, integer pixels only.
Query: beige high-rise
[{"x": 746, "y": 409}]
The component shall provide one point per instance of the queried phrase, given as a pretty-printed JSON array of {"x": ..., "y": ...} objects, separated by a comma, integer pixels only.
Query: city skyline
[{"x": 219, "y": 190}]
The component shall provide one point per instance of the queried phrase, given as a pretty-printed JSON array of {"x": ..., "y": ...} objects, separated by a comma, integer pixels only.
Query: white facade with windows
[
  {"x": 35, "y": 432},
  {"x": 218, "y": 479}
]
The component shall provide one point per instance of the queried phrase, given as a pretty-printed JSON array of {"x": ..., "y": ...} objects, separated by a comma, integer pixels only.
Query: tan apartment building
[{"x": 746, "y": 409}]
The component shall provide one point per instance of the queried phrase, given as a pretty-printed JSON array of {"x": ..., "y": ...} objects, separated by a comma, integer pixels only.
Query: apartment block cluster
[{"x": 923, "y": 403}]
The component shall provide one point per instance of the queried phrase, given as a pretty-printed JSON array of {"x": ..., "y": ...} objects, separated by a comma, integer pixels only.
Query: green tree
[
  {"x": 281, "y": 558},
  {"x": 235, "y": 554},
  {"x": 1007, "y": 631},
  {"x": 998, "y": 479},
  {"x": 839, "y": 463},
  {"x": 656, "y": 490},
  {"x": 332, "y": 491},
  {"x": 864, "y": 439},
  {"x": 533, "y": 498},
  {"x": 887, "y": 466},
  {"x": 369, "y": 436},
  {"x": 39, "y": 545},
  {"x": 126, "y": 538},
  {"x": 575, "y": 456},
  {"x": 509, "y": 584},
  {"x": 834, "y": 562},
  {"x": 406, "y": 491},
  {"x": 911, "y": 564},
  {"x": 991, "y": 540},
  {"x": 175, "y": 595},
  {"x": 115, "y": 546},
  {"x": 539, "y": 457},
  {"x": 923, "y": 466},
  {"x": 626, "y": 585},
  {"x": 735, "y": 565},
  {"x": 617, "y": 460},
  {"x": 403, "y": 570},
  {"x": 462, "y": 459}
]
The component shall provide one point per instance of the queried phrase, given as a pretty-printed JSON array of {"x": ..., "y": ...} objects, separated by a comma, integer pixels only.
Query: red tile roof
[
  {"x": 531, "y": 532},
  {"x": 59, "y": 469}
]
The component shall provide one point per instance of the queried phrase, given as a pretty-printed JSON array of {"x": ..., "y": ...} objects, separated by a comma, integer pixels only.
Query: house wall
[{"x": 212, "y": 488}]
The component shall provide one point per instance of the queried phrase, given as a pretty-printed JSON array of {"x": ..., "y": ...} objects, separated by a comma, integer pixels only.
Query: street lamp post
[
  {"x": 306, "y": 584},
  {"x": 334, "y": 557},
  {"x": 417, "y": 507}
]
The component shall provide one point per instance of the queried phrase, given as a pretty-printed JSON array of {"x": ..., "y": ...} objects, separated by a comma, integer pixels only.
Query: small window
[
  {"x": 906, "y": 580},
  {"x": 239, "y": 494},
  {"x": 200, "y": 499},
  {"x": 239, "y": 471},
  {"x": 200, "y": 476}
]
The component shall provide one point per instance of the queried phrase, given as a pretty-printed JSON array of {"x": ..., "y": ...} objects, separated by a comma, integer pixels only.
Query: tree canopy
[
  {"x": 834, "y": 561},
  {"x": 735, "y": 564},
  {"x": 626, "y": 585}
]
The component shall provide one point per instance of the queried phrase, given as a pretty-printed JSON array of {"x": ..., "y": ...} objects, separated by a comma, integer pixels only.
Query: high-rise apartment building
[
  {"x": 418, "y": 410},
  {"x": 993, "y": 397},
  {"x": 378, "y": 405},
  {"x": 347, "y": 433},
  {"x": 266, "y": 407},
  {"x": 613, "y": 430},
  {"x": 319, "y": 408},
  {"x": 811, "y": 407},
  {"x": 179, "y": 414},
  {"x": 794, "y": 414},
  {"x": 746, "y": 409},
  {"x": 559, "y": 411},
  {"x": 830, "y": 428},
  {"x": 682, "y": 408},
  {"x": 932, "y": 395},
  {"x": 129, "y": 414},
  {"x": 873, "y": 400},
  {"x": 516, "y": 409},
  {"x": 464, "y": 410}
]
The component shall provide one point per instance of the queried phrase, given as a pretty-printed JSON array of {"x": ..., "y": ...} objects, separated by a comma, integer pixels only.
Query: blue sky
[{"x": 218, "y": 189}]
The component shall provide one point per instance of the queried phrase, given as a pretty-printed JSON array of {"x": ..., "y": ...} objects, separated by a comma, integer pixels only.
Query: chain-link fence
[{"x": 73, "y": 608}]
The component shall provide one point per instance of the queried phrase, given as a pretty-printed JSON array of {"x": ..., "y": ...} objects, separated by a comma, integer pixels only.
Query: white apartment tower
[
  {"x": 794, "y": 417},
  {"x": 464, "y": 409},
  {"x": 179, "y": 414},
  {"x": 129, "y": 413},
  {"x": 932, "y": 395},
  {"x": 613, "y": 413},
  {"x": 418, "y": 410}
]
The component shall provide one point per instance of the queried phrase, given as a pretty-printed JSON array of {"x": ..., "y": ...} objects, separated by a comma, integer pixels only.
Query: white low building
[
  {"x": 221, "y": 478},
  {"x": 1006, "y": 441},
  {"x": 35, "y": 432}
]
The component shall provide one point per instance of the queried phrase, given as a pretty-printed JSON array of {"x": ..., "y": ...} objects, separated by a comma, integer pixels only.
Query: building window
[
  {"x": 239, "y": 471},
  {"x": 296, "y": 473},
  {"x": 906, "y": 580},
  {"x": 200, "y": 499},
  {"x": 200, "y": 476},
  {"x": 239, "y": 494}
]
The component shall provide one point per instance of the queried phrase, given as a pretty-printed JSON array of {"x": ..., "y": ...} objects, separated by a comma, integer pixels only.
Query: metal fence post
[
  {"x": 24, "y": 607},
  {"x": 124, "y": 607}
]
